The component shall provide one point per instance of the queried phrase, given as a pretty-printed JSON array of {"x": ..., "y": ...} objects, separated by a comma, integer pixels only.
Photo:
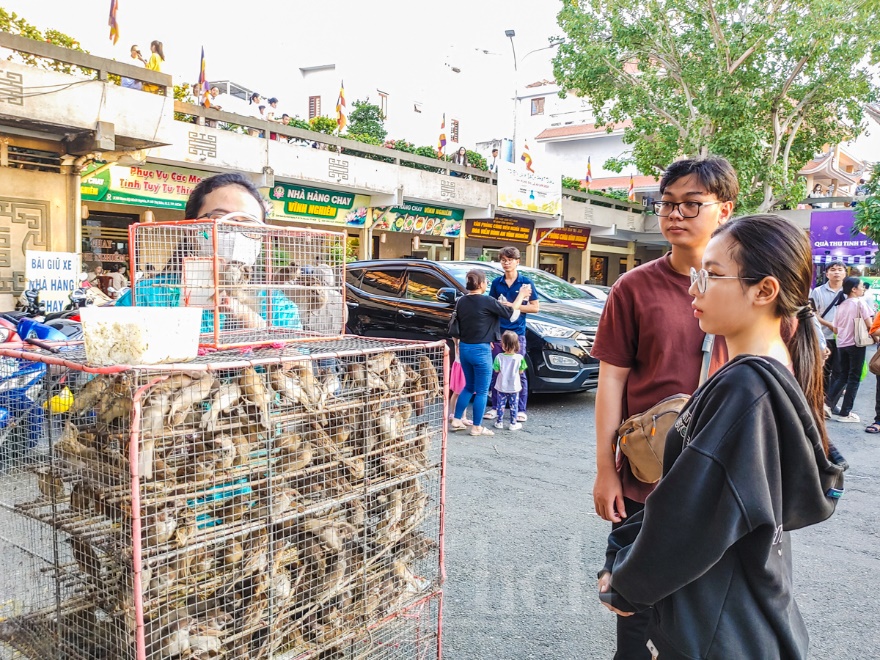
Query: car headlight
[{"x": 545, "y": 329}]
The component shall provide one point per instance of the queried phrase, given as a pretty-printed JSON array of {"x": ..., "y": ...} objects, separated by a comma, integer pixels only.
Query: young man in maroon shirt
[{"x": 650, "y": 345}]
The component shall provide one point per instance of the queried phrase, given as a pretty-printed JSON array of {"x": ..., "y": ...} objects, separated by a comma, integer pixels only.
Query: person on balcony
[{"x": 157, "y": 59}]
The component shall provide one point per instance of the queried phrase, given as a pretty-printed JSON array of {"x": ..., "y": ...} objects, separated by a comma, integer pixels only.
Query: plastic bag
[{"x": 456, "y": 378}]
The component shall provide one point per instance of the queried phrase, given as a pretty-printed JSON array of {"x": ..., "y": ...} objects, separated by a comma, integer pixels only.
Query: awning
[{"x": 827, "y": 258}]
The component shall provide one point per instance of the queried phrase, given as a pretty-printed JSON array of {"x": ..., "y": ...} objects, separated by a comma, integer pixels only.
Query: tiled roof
[
  {"x": 640, "y": 181},
  {"x": 579, "y": 130}
]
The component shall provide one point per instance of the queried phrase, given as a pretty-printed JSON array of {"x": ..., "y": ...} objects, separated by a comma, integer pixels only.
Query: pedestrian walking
[
  {"x": 508, "y": 366},
  {"x": 506, "y": 289},
  {"x": 649, "y": 344},
  {"x": 477, "y": 318},
  {"x": 744, "y": 464},
  {"x": 824, "y": 296},
  {"x": 850, "y": 307}
]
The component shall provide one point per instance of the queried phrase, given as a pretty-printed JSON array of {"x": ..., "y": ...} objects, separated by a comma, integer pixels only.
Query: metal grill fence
[
  {"x": 272, "y": 503},
  {"x": 256, "y": 284}
]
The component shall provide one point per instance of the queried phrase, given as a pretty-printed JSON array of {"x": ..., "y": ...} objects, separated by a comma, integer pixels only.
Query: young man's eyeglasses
[
  {"x": 701, "y": 278},
  {"x": 685, "y": 209}
]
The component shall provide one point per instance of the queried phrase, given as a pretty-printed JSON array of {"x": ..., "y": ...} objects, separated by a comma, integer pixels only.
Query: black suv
[{"x": 414, "y": 298}]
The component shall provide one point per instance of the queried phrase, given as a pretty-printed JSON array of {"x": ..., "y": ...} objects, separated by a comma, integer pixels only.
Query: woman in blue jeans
[{"x": 478, "y": 326}]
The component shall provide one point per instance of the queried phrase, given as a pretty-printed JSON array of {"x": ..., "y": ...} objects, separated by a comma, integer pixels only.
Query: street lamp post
[{"x": 510, "y": 34}]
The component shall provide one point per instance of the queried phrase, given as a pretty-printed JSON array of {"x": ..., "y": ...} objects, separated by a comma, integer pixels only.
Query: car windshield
[
  {"x": 554, "y": 287},
  {"x": 460, "y": 271}
]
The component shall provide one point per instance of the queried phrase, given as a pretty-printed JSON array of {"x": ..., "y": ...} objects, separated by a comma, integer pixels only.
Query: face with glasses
[
  {"x": 688, "y": 213},
  {"x": 724, "y": 301}
]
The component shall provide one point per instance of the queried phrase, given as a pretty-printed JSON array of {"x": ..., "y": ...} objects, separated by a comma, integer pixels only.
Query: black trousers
[
  {"x": 852, "y": 359},
  {"x": 831, "y": 368},
  {"x": 877, "y": 402},
  {"x": 632, "y": 631}
]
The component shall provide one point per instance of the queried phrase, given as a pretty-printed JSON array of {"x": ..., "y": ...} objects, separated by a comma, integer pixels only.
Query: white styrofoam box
[{"x": 140, "y": 335}]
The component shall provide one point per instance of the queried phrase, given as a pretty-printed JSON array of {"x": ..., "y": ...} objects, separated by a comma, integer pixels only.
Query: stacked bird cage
[
  {"x": 283, "y": 502},
  {"x": 256, "y": 284}
]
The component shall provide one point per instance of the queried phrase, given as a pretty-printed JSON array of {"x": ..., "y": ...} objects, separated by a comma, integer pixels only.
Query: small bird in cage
[
  {"x": 187, "y": 397},
  {"x": 50, "y": 485},
  {"x": 256, "y": 393}
]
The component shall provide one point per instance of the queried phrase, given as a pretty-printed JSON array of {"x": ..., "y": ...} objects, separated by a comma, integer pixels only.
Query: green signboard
[
  {"x": 140, "y": 185},
  {"x": 419, "y": 219},
  {"x": 317, "y": 204}
]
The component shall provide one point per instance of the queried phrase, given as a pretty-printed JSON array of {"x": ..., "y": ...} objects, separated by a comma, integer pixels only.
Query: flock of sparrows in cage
[{"x": 282, "y": 506}]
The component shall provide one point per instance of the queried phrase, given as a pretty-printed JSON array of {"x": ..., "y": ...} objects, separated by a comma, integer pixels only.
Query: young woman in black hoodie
[{"x": 745, "y": 463}]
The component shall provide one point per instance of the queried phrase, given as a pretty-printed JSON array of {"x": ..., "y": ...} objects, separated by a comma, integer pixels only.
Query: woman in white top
[{"x": 850, "y": 307}]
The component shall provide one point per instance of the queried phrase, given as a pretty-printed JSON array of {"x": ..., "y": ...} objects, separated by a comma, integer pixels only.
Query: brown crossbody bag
[{"x": 642, "y": 437}]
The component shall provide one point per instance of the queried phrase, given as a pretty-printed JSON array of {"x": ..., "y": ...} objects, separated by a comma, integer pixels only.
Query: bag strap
[{"x": 708, "y": 346}]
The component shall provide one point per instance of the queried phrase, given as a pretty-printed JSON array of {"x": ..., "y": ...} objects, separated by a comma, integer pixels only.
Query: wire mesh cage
[
  {"x": 282, "y": 502},
  {"x": 256, "y": 284}
]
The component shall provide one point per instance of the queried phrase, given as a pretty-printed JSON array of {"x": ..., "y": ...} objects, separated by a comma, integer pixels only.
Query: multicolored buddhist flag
[
  {"x": 589, "y": 177},
  {"x": 203, "y": 83},
  {"x": 114, "y": 26},
  {"x": 341, "y": 113},
  {"x": 631, "y": 195},
  {"x": 527, "y": 158},
  {"x": 441, "y": 142}
]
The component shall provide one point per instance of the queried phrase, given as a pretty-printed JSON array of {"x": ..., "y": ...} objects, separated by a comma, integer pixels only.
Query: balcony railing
[
  {"x": 212, "y": 117},
  {"x": 102, "y": 68}
]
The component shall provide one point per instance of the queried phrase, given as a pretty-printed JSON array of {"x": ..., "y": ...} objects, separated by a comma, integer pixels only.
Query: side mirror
[{"x": 447, "y": 294}]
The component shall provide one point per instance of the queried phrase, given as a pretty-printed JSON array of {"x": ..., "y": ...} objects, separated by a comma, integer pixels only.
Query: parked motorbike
[{"x": 25, "y": 395}]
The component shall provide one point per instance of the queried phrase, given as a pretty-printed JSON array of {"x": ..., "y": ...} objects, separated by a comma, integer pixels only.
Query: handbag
[
  {"x": 862, "y": 338},
  {"x": 453, "y": 329},
  {"x": 874, "y": 364},
  {"x": 642, "y": 437}
]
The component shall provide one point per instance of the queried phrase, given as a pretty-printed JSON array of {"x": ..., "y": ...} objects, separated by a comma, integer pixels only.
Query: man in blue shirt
[{"x": 506, "y": 289}]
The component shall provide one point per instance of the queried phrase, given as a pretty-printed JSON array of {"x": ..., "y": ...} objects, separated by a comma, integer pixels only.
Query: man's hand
[
  {"x": 605, "y": 587},
  {"x": 608, "y": 497}
]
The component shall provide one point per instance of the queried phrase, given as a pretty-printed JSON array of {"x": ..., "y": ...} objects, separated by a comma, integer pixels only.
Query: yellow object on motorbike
[{"x": 60, "y": 403}]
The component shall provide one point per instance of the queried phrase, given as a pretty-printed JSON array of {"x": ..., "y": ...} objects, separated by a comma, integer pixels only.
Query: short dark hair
[
  {"x": 836, "y": 262},
  {"x": 510, "y": 342},
  {"x": 714, "y": 172},
  {"x": 273, "y": 100},
  {"x": 509, "y": 253},
  {"x": 212, "y": 183},
  {"x": 494, "y": 149},
  {"x": 475, "y": 279}
]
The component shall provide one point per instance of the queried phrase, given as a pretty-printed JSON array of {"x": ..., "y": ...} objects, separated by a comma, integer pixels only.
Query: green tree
[
  {"x": 367, "y": 119},
  {"x": 323, "y": 125},
  {"x": 867, "y": 215},
  {"x": 14, "y": 24},
  {"x": 763, "y": 83}
]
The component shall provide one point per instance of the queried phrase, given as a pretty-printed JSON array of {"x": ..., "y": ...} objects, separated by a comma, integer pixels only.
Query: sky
[
  {"x": 396, "y": 43},
  {"x": 411, "y": 42}
]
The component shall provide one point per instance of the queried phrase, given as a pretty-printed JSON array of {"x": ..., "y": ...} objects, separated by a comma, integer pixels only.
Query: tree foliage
[
  {"x": 765, "y": 83},
  {"x": 14, "y": 24},
  {"x": 867, "y": 215},
  {"x": 367, "y": 119},
  {"x": 324, "y": 125}
]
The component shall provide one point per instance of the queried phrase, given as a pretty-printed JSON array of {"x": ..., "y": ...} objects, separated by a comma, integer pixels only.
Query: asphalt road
[{"x": 523, "y": 543}]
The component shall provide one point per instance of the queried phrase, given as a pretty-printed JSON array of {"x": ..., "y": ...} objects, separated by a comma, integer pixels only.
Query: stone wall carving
[{"x": 24, "y": 225}]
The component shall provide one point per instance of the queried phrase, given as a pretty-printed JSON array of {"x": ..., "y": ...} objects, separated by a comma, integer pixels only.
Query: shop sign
[
  {"x": 501, "y": 229},
  {"x": 316, "y": 204},
  {"x": 831, "y": 234},
  {"x": 55, "y": 274},
  {"x": 419, "y": 219},
  {"x": 528, "y": 191},
  {"x": 569, "y": 238},
  {"x": 141, "y": 185},
  {"x": 872, "y": 295}
]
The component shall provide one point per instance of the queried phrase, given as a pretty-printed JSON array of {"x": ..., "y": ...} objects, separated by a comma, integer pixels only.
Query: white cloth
[{"x": 508, "y": 368}]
